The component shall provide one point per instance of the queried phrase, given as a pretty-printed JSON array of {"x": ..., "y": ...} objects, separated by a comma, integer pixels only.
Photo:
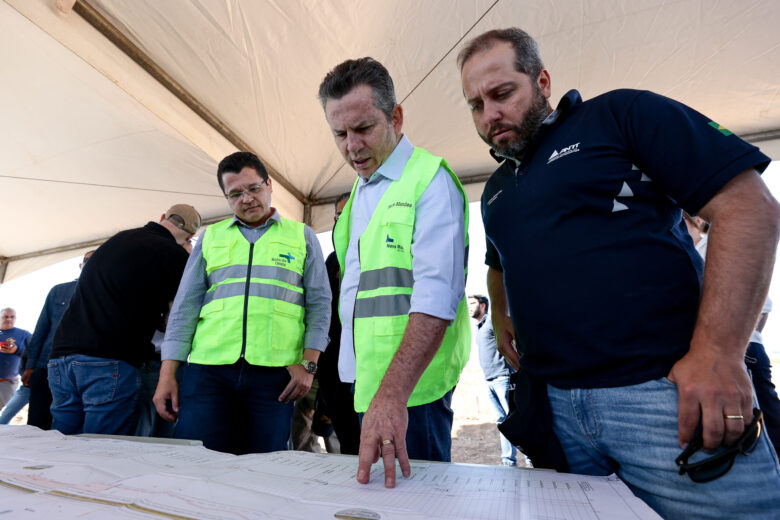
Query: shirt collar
[
  {"x": 482, "y": 321},
  {"x": 395, "y": 163},
  {"x": 570, "y": 99},
  {"x": 273, "y": 218}
]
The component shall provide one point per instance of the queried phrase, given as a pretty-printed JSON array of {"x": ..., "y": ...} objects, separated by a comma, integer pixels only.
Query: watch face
[{"x": 310, "y": 366}]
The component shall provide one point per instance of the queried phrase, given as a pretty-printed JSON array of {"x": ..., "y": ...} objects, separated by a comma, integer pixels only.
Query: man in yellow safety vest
[{"x": 401, "y": 244}]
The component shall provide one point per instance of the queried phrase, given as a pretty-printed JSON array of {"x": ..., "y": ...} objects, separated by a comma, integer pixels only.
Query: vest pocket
[
  {"x": 287, "y": 327},
  {"x": 218, "y": 253},
  {"x": 388, "y": 331},
  {"x": 398, "y": 227}
]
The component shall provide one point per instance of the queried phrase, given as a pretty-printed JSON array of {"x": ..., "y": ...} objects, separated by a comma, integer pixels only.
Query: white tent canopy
[{"x": 115, "y": 110}]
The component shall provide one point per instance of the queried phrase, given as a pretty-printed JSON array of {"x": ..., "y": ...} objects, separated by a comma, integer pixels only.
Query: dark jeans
[
  {"x": 761, "y": 372},
  {"x": 338, "y": 402},
  {"x": 235, "y": 408},
  {"x": 150, "y": 424},
  {"x": 39, "y": 409},
  {"x": 429, "y": 434}
]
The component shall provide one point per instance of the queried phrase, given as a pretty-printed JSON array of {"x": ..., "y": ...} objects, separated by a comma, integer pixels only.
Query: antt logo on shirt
[{"x": 574, "y": 148}]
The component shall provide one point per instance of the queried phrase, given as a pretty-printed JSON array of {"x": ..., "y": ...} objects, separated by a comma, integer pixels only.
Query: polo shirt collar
[
  {"x": 273, "y": 218},
  {"x": 570, "y": 99},
  {"x": 395, "y": 163}
]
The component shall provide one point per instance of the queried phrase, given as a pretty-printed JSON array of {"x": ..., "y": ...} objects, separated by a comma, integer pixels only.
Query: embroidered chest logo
[
  {"x": 390, "y": 244},
  {"x": 572, "y": 148},
  {"x": 283, "y": 259}
]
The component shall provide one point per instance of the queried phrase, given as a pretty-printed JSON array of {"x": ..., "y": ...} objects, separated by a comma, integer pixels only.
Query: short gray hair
[{"x": 364, "y": 71}]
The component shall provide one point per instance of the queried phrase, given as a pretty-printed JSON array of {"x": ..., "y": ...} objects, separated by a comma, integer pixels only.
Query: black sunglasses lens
[{"x": 711, "y": 470}]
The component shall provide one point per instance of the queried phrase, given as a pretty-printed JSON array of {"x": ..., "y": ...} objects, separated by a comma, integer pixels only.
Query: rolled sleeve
[
  {"x": 183, "y": 318},
  {"x": 316, "y": 295},
  {"x": 438, "y": 249}
]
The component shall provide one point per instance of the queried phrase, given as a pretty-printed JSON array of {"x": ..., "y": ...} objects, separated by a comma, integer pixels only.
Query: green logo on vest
[
  {"x": 719, "y": 128},
  {"x": 389, "y": 243},
  {"x": 283, "y": 260}
]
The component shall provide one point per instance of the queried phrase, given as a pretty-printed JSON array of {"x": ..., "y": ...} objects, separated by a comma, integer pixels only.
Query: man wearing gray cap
[{"x": 105, "y": 334}]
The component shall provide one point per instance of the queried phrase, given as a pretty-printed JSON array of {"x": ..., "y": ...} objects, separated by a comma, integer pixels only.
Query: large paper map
[{"x": 49, "y": 475}]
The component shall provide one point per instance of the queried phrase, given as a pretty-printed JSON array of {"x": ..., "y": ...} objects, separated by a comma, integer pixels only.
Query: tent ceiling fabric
[{"x": 100, "y": 148}]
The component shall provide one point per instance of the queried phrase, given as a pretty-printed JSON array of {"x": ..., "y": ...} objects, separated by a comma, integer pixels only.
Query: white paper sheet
[{"x": 52, "y": 475}]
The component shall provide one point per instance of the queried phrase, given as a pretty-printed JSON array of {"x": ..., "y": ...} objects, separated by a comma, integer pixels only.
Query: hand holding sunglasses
[{"x": 719, "y": 464}]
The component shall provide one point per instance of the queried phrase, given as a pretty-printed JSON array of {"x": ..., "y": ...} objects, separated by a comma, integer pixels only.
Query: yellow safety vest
[
  {"x": 254, "y": 305},
  {"x": 384, "y": 290}
]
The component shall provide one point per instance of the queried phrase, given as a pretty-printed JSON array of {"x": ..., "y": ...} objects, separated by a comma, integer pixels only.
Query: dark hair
[
  {"x": 365, "y": 71},
  {"x": 343, "y": 196},
  {"x": 236, "y": 162},
  {"x": 528, "y": 60},
  {"x": 482, "y": 299}
]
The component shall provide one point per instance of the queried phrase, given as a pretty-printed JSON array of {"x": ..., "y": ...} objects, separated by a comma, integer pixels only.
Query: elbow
[{"x": 770, "y": 212}]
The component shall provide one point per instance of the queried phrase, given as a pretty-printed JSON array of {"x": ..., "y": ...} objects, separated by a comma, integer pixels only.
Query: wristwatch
[{"x": 310, "y": 366}]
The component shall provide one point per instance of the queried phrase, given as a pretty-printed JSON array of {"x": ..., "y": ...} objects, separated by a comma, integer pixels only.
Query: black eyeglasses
[
  {"x": 720, "y": 463},
  {"x": 233, "y": 196}
]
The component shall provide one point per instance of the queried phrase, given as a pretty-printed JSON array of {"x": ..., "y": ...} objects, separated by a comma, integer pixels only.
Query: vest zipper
[
  {"x": 246, "y": 299},
  {"x": 354, "y": 308}
]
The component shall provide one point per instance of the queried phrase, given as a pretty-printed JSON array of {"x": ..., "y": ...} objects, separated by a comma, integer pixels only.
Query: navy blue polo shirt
[{"x": 602, "y": 277}]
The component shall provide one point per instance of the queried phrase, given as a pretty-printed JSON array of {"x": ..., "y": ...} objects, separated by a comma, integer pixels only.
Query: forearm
[
  {"x": 740, "y": 258},
  {"x": 421, "y": 341},
  {"x": 497, "y": 292},
  {"x": 168, "y": 369}
]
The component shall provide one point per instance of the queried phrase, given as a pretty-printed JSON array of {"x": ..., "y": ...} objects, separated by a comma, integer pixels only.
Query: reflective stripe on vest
[
  {"x": 383, "y": 297},
  {"x": 261, "y": 290},
  {"x": 256, "y": 311},
  {"x": 258, "y": 271}
]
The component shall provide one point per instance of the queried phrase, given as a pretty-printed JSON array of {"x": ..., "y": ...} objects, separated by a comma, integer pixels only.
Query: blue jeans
[
  {"x": 92, "y": 395},
  {"x": 632, "y": 431},
  {"x": 17, "y": 402},
  {"x": 498, "y": 391},
  {"x": 760, "y": 370},
  {"x": 235, "y": 408}
]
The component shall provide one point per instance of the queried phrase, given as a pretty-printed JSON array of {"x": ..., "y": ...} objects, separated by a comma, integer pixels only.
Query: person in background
[
  {"x": 496, "y": 370},
  {"x": 35, "y": 375},
  {"x": 13, "y": 342},
  {"x": 149, "y": 422},
  {"x": 335, "y": 397}
]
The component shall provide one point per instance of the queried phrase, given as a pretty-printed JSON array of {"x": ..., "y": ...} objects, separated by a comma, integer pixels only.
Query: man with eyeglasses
[
  {"x": 646, "y": 344},
  {"x": 251, "y": 318},
  {"x": 105, "y": 334}
]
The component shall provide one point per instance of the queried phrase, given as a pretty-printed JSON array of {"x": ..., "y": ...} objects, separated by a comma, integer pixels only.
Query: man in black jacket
[{"x": 105, "y": 334}]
